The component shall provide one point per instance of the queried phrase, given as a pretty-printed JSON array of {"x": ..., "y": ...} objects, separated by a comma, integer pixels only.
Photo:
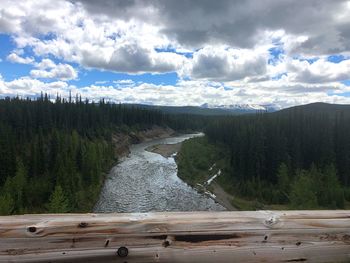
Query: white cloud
[
  {"x": 94, "y": 42},
  {"x": 124, "y": 82},
  {"x": 227, "y": 64},
  {"x": 14, "y": 58},
  {"x": 31, "y": 87},
  {"x": 122, "y": 36},
  {"x": 279, "y": 93},
  {"x": 324, "y": 24},
  {"x": 131, "y": 58},
  {"x": 200, "y": 92},
  {"x": 35, "y": 17},
  {"x": 320, "y": 71},
  {"x": 46, "y": 64},
  {"x": 48, "y": 69}
]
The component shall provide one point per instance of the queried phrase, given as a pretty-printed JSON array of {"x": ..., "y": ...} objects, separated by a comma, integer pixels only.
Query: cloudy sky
[{"x": 180, "y": 52}]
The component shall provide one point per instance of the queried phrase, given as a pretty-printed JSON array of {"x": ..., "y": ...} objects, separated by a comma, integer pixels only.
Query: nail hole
[
  {"x": 83, "y": 224},
  {"x": 298, "y": 243},
  {"x": 32, "y": 229},
  {"x": 106, "y": 244},
  {"x": 265, "y": 238},
  {"x": 122, "y": 252},
  {"x": 166, "y": 243}
]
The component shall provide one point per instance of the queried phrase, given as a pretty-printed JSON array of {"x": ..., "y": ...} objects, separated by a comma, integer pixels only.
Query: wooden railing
[{"x": 256, "y": 236}]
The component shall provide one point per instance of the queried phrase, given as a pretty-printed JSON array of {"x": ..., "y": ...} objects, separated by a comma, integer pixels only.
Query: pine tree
[
  {"x": 303, "y": 194},
  {"x": 58, "y": 201},
  {"x": 6, "y": 204},
  {"x": 283, "y": 182},
  {"x": 18, "y": 185},
  {"x": 330, "y": 193}
]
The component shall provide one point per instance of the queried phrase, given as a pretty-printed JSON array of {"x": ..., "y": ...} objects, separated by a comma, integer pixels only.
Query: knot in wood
[
  {"x": 31, "y": 229},
  {"x": 271, "y": 221},
  {"x": 83, "y": 224},
  {"x": 123, "y": 252}
]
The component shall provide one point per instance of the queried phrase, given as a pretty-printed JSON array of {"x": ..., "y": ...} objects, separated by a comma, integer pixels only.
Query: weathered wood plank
[{"x": 255, "y": 236}]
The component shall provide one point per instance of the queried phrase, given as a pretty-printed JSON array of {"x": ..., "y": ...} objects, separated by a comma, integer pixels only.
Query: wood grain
[{"x": 255, "y": 236}]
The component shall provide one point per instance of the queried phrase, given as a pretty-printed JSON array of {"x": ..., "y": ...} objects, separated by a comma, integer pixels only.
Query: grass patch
[
  {"x": 245, "y": 205},
  {"x": 195, "y": 159}
]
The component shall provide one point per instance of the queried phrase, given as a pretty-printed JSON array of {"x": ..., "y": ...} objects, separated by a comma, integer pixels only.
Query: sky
[{"x": 162, "y": 52}]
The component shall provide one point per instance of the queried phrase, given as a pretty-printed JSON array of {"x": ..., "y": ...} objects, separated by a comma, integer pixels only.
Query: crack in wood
[{"x": 203, "y": 238}]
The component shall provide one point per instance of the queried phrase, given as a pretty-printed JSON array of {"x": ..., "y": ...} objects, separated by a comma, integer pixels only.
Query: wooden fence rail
[{"x": 256, "y": 236}]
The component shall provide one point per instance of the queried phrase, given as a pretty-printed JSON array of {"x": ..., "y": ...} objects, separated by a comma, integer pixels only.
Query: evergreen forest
[
  {"x": 54, "y": 154},
  {"x": 298, "y": 156}
]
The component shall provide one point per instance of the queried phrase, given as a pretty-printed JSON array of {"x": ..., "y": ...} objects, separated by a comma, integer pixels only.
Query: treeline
[
  {"x": 53, "y": 154},
  {"x": 299, "y": 156},
  {"x": 58, "y": 171}
]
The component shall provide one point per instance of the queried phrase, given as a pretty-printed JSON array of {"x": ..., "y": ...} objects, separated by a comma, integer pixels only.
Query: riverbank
[
  {"x": 222, "y": 197},
  {"x": 165, "y": 150},
  {"x": 145, "y": 182},
  {"x": 123, "y": 140},
  {"x": 210, "y": 188},
  {"x": 168, "y": 149},
  {"x": 200, "y": 165},
  {"x": 206, "y": 167}
]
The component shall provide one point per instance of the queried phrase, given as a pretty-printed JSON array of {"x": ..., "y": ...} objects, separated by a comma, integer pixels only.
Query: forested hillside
[
  {"x": 299, "y": 156},
  {"x": 53, "y": 155}
]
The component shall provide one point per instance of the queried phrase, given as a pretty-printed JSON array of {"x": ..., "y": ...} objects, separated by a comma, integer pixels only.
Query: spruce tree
[
  {"x": 58, "y": 201},
  {"x": 303, "y": 194},
  {"x": 283, "y": 182},
  {"x": 6, "y": 204}
]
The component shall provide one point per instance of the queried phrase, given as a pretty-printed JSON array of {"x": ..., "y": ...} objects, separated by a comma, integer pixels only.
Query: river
[{"x": 146, "y": 181}]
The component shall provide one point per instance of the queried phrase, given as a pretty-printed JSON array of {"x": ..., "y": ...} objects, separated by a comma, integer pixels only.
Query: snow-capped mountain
[{"x": 241, "y": 107}]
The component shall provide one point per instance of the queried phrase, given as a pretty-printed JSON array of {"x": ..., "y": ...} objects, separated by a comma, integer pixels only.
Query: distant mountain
[
  {"x": 186, "y": 110},
  {"x": 318, "y": 108},
  {"x": 210, "y": 110},
  {"x": 242, "y": 108}
]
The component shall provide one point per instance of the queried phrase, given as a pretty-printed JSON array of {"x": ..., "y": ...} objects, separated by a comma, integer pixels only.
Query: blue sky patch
[
  {"x": 336, "y": 58},
  {"x": 172, "y": 50},
  {"x": 7, "y": 46},
  {"x": 275, "y": 54},
  {"x": 90, "y": 77},
  {"x": 346, "y": 82},
  {"x": 279, "y": 76},
  {"x": 310, "y": 60},
  {"x": 11, "y": 71}
]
